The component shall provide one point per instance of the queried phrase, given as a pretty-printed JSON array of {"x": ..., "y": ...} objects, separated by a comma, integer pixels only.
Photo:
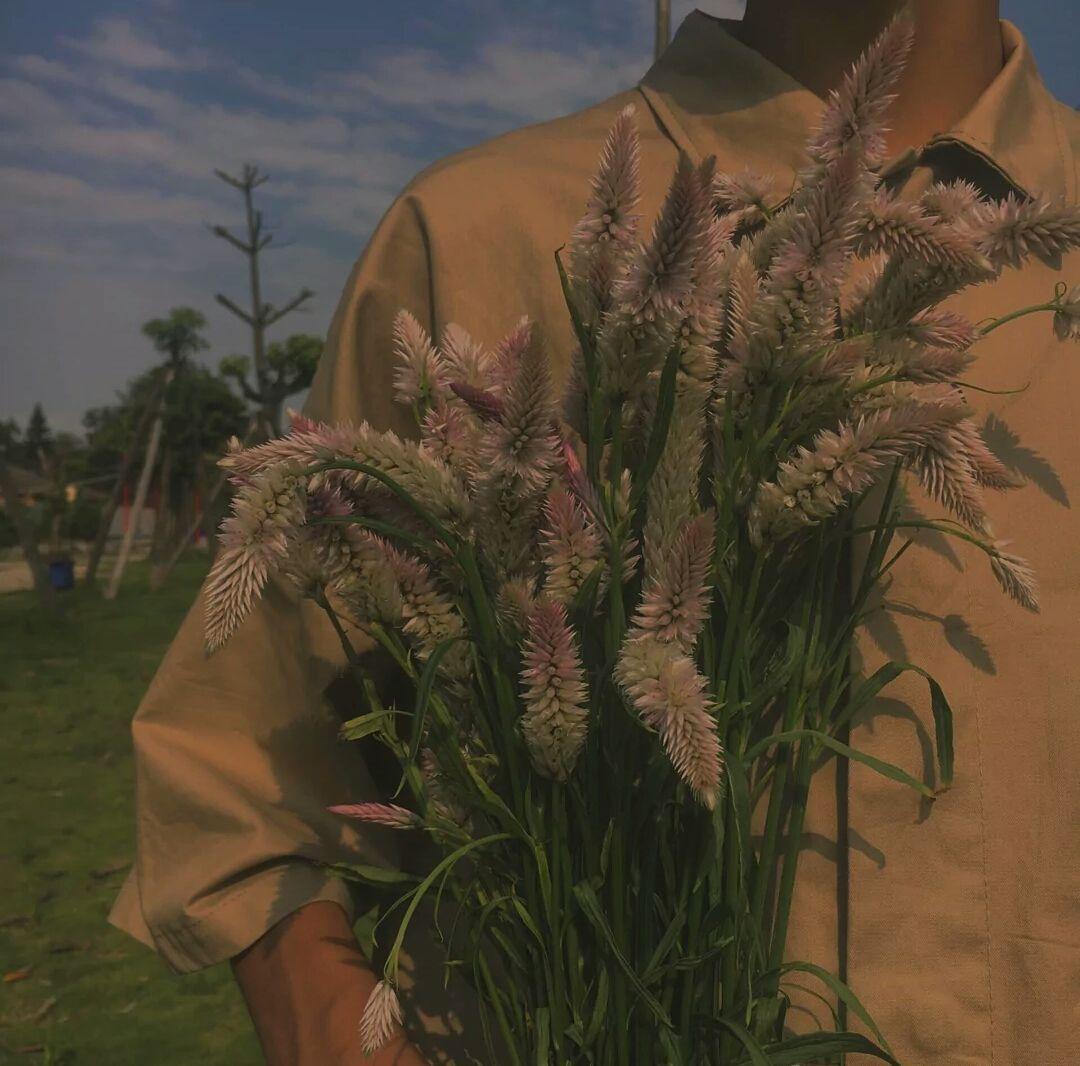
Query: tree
[
  {"x": 290, "y": 368},
  {"x": 178, "y": 338},
  {"x": 263, "y": 390},
  {"x": 9, "y": 440},
  {"x": 37, "y": 441}
]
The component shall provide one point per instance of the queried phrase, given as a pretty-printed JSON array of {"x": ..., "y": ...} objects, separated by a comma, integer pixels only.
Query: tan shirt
[{"x": 962, "y": 918}]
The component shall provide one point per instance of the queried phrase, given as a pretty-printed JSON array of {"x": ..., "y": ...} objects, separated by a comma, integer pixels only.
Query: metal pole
[{"x": 663, "y": 26}]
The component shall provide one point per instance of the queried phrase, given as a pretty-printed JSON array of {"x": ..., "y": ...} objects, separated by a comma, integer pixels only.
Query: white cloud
[
  {"x": 513, "y": 80},
  {"x": 52, "y": 192},
  {"x": 117, "y": 43}
]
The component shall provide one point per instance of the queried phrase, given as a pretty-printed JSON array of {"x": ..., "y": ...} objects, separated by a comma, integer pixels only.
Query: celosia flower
[
  {"x": 571, "y": 546},
  {"x": 382, "y": 1016},
  {"x": 807, "y": 263},
  {"x": 420, "y": 377},
  {"x": 254, "y": 542},
  {"x": 952, "y": 201},
  {"x": 945, "y": 473},
  {"x": 449, "y": 436},
  {"x": 673, "y": 489},
  {"x": 466, "y": 360},
  {"x": 306, "y": 444},
  {"x": 855, "y": 111},
  {"x": 388, "y": 814},
  {"x": 522, "y": 443},
  {"x": 604, "y": 237},
  {"x": 669, "y": 693},
  {"x": 661, "y": 276},
  {"x": 508, "y": 354},
  {"x": 676, "y": 598},
  {"x": 555, "y": 719},
  {"x": 1067, "y": 316},
  {"x": 356, "y": 562},
  {"x": 486, "y": 404},
  {"x": 615, "y": 190},
  {"x": 1011, "y": 230},
  {"x": 428, "y": 616},
  {"x": 941, "y": 329},
  {"x": 889, "y": 224},
  {"x": 746, "y": 195},
  {"x": 1015, "y": 576},
  {"x": 818, "y": 481}
]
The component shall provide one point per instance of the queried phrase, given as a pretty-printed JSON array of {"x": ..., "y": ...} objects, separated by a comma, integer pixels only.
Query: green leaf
[
  {"x": 665, "y": 405},
  {"x": 740, "y": 799},
  {"x": 424, "y": 689},
  {"x": 943, "y": 716},
  {"x": 366, "y": 724},
  {"x": 379, "y": 876},
  {"x": 542, "y": 1018},
  {"x": 599, "y": 1014},
  {"x": 839, "y": 988},
  {"x": 590, "y": 906},
  {"x": 672, "y": 1052},
  {"x": 886, "y": 769},
  {"x": 943, "y": 730},
  {"x": 667, "y": 941},
  {"x": 757, "y": 1054},
  {"x": 802, "y": 1049},
  {"x": 580, "y": 331},
  {"x": 605, "y": 849}
]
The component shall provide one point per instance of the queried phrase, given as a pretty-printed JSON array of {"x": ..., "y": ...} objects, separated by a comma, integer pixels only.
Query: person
[{"x": 956, "y": 925}]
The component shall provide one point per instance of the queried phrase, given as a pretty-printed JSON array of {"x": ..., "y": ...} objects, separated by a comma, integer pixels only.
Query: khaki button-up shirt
[{"x": 957, "y": 923}]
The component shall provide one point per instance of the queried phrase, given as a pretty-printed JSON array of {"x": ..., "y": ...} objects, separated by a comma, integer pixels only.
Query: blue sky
[{"x": 113, "y": 116}]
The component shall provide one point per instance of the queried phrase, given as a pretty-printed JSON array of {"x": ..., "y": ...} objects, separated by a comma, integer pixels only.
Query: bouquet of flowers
[{"x": 627, "y": 613}]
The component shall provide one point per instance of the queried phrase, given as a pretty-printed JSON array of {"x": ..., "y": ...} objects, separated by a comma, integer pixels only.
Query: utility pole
[
  {"x": 663, "y": 26},
  {"x": 262, "y": 315}
]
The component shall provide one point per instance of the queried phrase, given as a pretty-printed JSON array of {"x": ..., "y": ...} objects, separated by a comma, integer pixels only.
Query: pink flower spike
[
  {"x": 387, "y": 814},
  {"x": 486, "y": 404},
  {"x": 382, "y": 1015}
]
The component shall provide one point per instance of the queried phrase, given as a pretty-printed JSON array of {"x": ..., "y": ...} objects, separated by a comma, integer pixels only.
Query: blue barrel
[{"x": 62, "y": 574}]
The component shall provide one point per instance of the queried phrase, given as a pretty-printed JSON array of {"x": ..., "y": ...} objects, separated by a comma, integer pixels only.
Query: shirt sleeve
[{"x": 237, "y": 753}]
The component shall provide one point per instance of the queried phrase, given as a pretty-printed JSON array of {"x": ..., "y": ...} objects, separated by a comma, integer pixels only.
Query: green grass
[{"x": 67, "y": 694}]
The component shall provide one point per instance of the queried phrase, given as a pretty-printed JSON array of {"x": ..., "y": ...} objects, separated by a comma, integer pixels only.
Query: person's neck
[{"x": 956, "y": 54}]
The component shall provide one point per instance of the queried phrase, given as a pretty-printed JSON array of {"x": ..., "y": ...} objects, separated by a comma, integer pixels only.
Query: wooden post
[{"x": 663, "y": 26}]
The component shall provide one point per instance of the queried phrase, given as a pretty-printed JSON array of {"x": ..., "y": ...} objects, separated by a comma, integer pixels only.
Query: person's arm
[{"x": 306, "y": 983}]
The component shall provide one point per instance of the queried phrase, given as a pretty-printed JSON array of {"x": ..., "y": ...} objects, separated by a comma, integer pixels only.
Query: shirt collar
[{"x": 716, "y": 96}]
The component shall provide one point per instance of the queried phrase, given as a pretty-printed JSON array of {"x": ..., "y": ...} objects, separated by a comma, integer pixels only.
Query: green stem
[
  {"x": 1052, "y": 305},
  {"x": 804, "y": 768}
]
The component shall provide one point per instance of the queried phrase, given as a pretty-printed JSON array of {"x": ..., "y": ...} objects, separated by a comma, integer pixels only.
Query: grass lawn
[{"x": 75, "y": 990}]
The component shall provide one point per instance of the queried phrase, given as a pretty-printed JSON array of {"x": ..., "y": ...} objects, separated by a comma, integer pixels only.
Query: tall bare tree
[{"x": 262, "y": 315}]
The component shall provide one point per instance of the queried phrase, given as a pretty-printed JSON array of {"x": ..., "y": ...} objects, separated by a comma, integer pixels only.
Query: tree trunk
[
  {"x": 42, "y": 586},
  {"x": 140, "y": 492},
  {"x": 109, "y": 513},
  {"x": 165, "y": 520}
]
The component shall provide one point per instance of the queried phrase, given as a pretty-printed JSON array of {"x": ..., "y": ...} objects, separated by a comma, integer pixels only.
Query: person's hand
[{"x": 306, "y": 982}]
